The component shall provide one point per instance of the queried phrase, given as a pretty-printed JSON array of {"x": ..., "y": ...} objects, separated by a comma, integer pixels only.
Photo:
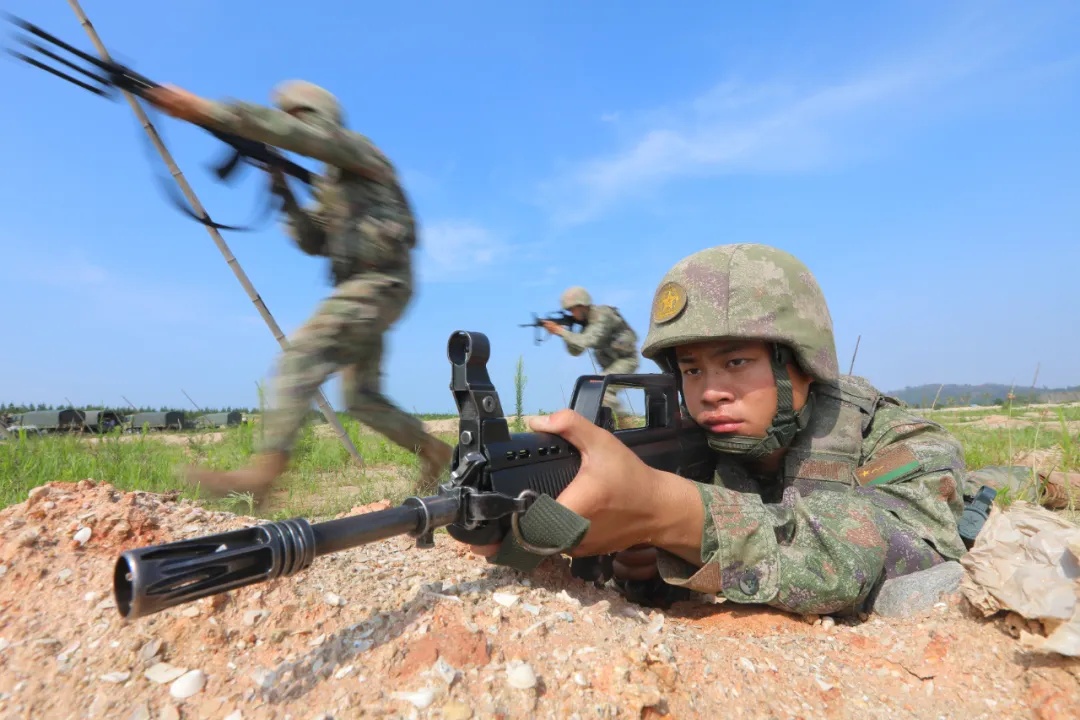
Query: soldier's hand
[
  {"x": 553, "y": 327},
  {"x": 178, "y": 102},
  {"x": 636, "y": 563},
  {"x": 626, "y": 502}
]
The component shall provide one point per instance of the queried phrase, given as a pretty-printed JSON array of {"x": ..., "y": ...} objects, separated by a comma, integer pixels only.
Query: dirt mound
[{"x": 388, "y": 630}]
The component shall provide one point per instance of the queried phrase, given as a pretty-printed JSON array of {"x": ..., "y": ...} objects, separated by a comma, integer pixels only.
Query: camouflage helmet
[
  {"x": 302, "y": 95},
  {"x": 575, "y": 296},
  {"x": 754, "y": 292},
  {"x": 743, "y": 291}
]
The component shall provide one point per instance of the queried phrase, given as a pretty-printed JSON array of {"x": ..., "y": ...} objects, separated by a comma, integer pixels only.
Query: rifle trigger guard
[{"x": 527, "y": 498}]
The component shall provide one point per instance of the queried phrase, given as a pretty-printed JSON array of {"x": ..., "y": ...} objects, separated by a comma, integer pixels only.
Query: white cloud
[
  {"x": 784, "y": 126},
  {"x": 450, "y": 248}
]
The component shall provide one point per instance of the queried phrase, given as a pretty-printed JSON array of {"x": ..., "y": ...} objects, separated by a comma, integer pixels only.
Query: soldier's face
[{"x": 729, "y": 388}]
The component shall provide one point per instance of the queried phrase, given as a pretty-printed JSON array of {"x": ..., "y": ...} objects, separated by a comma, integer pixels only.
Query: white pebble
[
  {"x": 333, "y": 600},
  {"x": 235, "y": 715},
  {"x": 82, "y": 535},
  {"x": 520, "y": 675},
  {"x": 116, "y": 677},
  {"x": 504, "y": 599},
  {"x": 188, "y": 684},
  {"x": 420, "y": 698},
  {"x": 163, "y": 672}
]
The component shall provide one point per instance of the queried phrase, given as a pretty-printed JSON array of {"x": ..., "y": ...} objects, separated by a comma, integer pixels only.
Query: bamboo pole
[{"x": 234, "y": 265}]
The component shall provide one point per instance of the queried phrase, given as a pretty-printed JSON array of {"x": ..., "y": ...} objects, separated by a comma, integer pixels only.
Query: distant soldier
[
  {"x": 612, "y": 340},
  {"x": 362, "y": 221}
]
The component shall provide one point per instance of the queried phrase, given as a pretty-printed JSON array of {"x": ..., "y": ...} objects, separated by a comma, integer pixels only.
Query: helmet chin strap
[{"x": 786, "y": 423}]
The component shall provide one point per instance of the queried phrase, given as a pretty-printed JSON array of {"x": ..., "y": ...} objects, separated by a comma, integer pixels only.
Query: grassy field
[{"x": 323, "y": 480}]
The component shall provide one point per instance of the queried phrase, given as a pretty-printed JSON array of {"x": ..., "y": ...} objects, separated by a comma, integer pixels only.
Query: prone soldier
[{"x": 824, "y": 487}]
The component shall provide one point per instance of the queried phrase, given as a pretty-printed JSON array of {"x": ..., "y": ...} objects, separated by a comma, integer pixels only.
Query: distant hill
[{"x": 985, "y": 394}]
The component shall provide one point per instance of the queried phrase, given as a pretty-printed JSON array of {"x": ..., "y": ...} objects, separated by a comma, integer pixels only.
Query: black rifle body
[
  {"x": 494, "y": 475},
  {"x": 564, "y": 318}
]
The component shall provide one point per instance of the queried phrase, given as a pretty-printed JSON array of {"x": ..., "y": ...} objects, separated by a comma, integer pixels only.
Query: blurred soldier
[
  {"x": 363, "y": 223},
  {"x": 612, "y": 340}
]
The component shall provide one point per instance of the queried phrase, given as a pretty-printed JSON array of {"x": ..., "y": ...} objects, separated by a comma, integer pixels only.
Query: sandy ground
[{"x": 389, "y": 630}]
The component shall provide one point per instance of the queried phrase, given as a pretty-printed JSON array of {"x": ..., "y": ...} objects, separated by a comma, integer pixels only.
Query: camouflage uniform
[
  {"x": 867, "y": 490},
  {"x": 613, "y": 341},
  {"x": 363, "y": 223}
]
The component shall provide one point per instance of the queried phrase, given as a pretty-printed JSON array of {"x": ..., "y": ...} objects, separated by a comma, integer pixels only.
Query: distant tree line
[{"x": 12, "y": 409}]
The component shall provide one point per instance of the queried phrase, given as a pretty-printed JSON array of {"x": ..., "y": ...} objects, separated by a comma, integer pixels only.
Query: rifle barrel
[{"x": 150, "y": 579}]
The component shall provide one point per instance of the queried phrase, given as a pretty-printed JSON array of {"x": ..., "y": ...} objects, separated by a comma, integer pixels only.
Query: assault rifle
[
  {"x": 564, "y": 318},
  {"x": 107, "y": 79},
  {"x": 495, "y": 476}
]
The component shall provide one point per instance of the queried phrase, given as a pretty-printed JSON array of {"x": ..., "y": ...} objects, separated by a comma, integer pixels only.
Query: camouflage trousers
[
  {"x": 344, "y": 334},
  {"x": 622, "y": 366}
]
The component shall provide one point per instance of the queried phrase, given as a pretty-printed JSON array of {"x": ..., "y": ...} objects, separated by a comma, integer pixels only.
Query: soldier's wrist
[{"x": 679, "y": 517}]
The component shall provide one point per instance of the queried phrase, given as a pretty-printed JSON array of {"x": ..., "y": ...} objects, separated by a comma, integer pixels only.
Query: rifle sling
[{"x": 545, "y": 524}]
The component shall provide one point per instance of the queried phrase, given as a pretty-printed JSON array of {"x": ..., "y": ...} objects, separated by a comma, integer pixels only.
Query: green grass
[{"x": 323, "y": 480}]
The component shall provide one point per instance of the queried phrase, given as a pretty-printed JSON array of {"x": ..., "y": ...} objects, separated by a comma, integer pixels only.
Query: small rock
[
  {"x": 163, "y": 672},
  {"x": 253, "y": 616},
  {"x": 235, "y": 715},
  {"x": 82, "y": 535},
  {"x": 504, "y": 599},
  {"x": 581, "y": 680},
  {"x": 188, "y": 684},
  {"x": 914, "y": 593},
  {"x": 342, "y": 672},
  {"x": 36, "y": 494},
  {"x": 827, "y": 622},
  {"x": 116, "y": 677},
  {"x": 63, "y": 575},
  {"x": 169, "y": 712},
  {"x": 140, "y": 712},
  {"x": 747, "y": 665},
  {"x": 28, "y": 537},
  {"x": 150, "y": 650},
  {"x": 191, "y": 612},
  {"x": 333, "y": 600},
  {"x": 445, "y": 670},
  {"x": 263, "y": 678},
  {"x": 420, "y": 698},
  {"x": 520, "y": 675},
  {"x": 455, "y": 710}
]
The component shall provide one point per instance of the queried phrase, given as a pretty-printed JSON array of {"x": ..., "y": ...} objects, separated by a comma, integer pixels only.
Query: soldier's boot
[
  {"x": 435, "y": 457},
  {"x": 1060, "y": 490},
  {"x": 257, "y": 478}
]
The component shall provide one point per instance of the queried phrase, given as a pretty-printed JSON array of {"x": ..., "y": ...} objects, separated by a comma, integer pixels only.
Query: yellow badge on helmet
[{"x": 669, "y": 302}]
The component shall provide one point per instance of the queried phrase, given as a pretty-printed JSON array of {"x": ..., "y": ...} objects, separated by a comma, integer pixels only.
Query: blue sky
[{"x": 921, "y": 158}]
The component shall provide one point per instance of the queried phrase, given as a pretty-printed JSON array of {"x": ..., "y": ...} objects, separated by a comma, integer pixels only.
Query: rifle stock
[{"x": 495, "y": 474}]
